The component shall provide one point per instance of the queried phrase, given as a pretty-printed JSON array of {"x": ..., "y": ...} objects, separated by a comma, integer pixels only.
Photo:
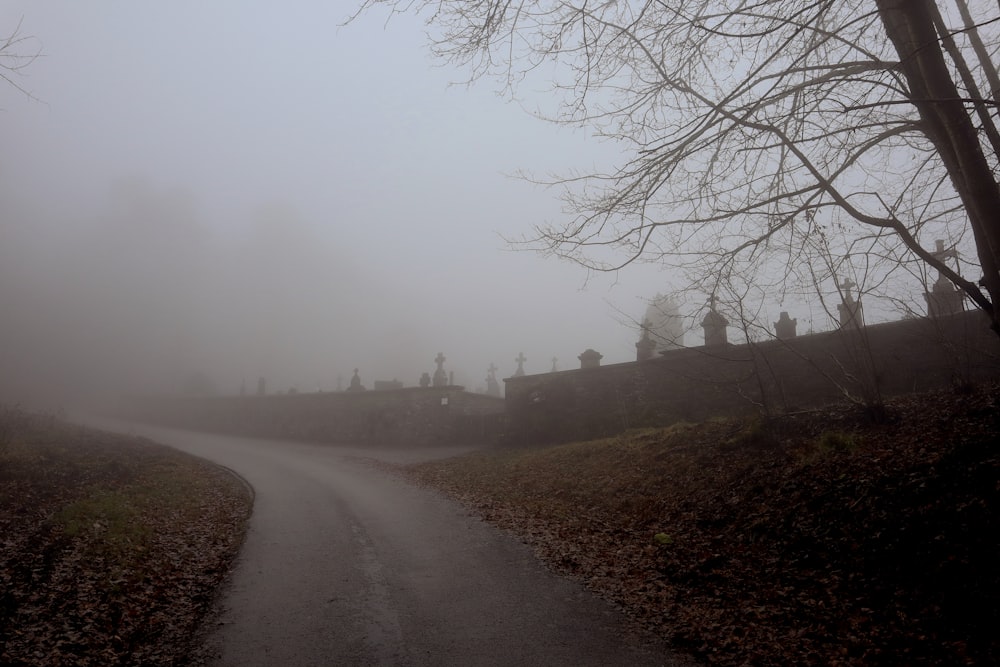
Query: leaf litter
[
  {"x": 820, "y": 538},
  {"x": 112, "y": 548}
]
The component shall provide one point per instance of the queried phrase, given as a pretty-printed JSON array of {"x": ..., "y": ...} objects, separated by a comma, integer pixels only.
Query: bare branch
[{"x": 17, "y": 52}]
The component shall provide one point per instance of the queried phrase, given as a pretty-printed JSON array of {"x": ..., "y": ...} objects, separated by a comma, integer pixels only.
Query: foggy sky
[{"x": 247, "y": 189}]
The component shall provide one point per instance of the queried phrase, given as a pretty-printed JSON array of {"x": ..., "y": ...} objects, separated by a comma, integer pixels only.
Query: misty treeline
[
  {"x": 146, "y": 292},
  {"x": 774, "y": 150}
]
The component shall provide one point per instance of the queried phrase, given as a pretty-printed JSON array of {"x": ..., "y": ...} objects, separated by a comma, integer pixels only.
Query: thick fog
[{"x": 196, "y": 195}]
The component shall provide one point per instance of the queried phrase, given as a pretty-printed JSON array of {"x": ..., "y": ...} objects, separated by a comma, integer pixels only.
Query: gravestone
[{"x": 425, "y": 380}]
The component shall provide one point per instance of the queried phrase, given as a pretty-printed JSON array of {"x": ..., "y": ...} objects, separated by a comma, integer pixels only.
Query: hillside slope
[{"x": 820, "y": 538}]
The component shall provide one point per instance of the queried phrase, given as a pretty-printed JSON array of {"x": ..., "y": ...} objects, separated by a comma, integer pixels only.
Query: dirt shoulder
[
  {"x": 112, "y": 548},
  {"x": 824, "y": 538}
]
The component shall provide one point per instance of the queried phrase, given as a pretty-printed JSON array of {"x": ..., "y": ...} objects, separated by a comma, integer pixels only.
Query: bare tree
[
  {"x": 755, "y": 129},
  {"x": 17, "y": 52}
]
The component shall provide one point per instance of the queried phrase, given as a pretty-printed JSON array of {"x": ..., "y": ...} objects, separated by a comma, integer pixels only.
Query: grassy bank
[
  {"x": 111, "y": 547},
  {"x": 820, "y": 538}
]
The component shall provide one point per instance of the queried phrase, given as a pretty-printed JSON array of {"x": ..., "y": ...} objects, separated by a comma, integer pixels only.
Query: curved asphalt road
[{"x": 346, "y": 564}]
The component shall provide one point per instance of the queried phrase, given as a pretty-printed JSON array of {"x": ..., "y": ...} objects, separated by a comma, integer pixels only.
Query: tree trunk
[{"x": 909, "y": 25}]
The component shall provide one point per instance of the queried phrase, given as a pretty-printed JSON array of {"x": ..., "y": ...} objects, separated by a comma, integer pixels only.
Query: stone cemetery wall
[
  {"x": 683, "y": 384},
  {"x": 408, "y": 417},
  {"x": 774, "y": 376}
]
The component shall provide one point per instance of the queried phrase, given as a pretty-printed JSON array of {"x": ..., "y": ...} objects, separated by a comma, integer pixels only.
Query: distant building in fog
[{"x": 664, "y": 323}]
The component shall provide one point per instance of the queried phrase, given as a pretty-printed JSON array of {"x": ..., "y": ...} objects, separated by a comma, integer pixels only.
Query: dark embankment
[
  {"x": 112, "y": 548},
  {"x": 827, "y": 538}
]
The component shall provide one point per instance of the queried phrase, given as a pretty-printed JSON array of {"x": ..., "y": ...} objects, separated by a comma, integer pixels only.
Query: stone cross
[
  {"x": 555, "y": 364},
  {"x": 941, "y": 255},
  {"x": 850, "y": 310},
  {"x": 492, "y": 370},
  {"x": 846, "y": 285},
  {"x": 520, "y": 364},
  {"x": 440, "y": 377}
]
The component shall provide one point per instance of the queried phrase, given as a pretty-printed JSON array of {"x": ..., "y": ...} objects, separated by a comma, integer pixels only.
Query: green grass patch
[
  {"x": 836, "y": 441},
  {"x": 111, "y": 514}
]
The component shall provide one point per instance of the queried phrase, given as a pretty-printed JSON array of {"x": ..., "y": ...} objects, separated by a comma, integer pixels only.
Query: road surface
[{"x": 348, "y": 564}]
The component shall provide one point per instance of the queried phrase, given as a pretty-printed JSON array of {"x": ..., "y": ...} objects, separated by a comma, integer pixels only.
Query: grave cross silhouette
[
  {"x": 439, "y": 360},
  {"x": 492, "y": 370},
  {"x": 941, "y": 254},
  {"x": 846, "y": 285},
  {"x": 520, "y": 363}
]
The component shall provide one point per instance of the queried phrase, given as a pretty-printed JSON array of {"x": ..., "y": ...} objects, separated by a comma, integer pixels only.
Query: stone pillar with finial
[
  {"x": 714, "y": 325},
  {"x": 590, "y": 358}
]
